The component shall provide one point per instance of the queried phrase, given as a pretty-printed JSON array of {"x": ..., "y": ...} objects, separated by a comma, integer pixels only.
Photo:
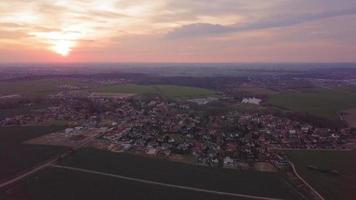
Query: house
[
  {"x": 253, "y": 100},
  {"x": 228, "y": 162},
  {"x": 151, "y": 151}
]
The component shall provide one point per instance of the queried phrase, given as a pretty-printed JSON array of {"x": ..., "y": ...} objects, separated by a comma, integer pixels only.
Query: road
[
  {"x": 316, "y": 193},
  {"x": 301, "y": 149},
  {"x": 164, "y": 184},
  {"x": 9, "y": 182},
  {"x": 47, "y": 164}
]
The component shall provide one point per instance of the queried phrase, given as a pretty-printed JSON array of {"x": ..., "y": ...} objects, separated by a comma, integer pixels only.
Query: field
[
  {"x": 321, "y": 103},
  {"x": 169, "y": 91},
  {"x": 256, "y": 90},
  {"x": 350, "y": 117},
  {"x": 246, "y": 182},
  {"x": 331, "y": 186},
  {"x": 44, "y": 87},
  {"x": 60, "y": 184},
  {"x": 33, "y": 88},
  {"x": 110, "y": 95},
  {"x": 16, "y": 157},
  {"x": 13, "y": 112}
]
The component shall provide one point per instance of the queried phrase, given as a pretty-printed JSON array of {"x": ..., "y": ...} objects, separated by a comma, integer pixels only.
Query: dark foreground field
[
  {"x": 331, "y": 186},
  {"x": 16, "y": 157},
  {"x": 246, "y": 182},
  {"x": 58, "y": 184}
]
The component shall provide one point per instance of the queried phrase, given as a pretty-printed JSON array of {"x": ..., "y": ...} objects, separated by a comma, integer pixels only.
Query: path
[
  {"x": 164, "y": 184},
  {"x": 9, "y": 182},
  {"x": 316, "y": 193}
]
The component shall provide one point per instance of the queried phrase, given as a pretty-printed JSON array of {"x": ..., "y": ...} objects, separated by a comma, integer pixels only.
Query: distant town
[{"x": 176, "y": 130}]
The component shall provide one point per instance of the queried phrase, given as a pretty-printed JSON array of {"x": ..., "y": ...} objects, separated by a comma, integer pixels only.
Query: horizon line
[{"x": 20, "y": 63}]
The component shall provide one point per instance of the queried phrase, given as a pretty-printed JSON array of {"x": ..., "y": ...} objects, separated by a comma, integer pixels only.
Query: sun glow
[
  {"x": 62, "y": 43},
  {"x": 62, "y": 47}
]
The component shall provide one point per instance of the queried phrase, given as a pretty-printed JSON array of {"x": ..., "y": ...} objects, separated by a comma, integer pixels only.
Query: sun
[
  {"x": 62, "y": 43},
  {"x": 62, "y": 47}
]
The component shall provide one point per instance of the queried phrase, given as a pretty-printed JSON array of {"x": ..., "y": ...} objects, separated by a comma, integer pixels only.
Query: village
[{"x": 174, "y": 130}]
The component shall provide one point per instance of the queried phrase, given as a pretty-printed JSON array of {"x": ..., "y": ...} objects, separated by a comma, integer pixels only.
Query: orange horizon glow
[{"x": 177, "y": 31}]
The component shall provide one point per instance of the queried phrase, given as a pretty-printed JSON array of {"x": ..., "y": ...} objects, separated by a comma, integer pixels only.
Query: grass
[
  {"x": 246, "y": 182},
  {"x": 256, "y": 90},
  {"x": 330, "y": 186},
  {"x": 16, "y": 157},
  {"x": 11, "y": 108},
  {"x": 169, "y": 91},
  {"x": 44, "y": 87},
  {"x": 29, "y": 87},
  {"x": 59, "y": 184},
  {"x": 14, "y": 111},
  {"x": 322, "y": 102},
  {"x": 33, "y": 88},
  {"x": 350, "y": 117}
]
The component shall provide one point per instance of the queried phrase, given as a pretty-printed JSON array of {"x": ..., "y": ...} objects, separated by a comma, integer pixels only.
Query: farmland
[
  {"x": 169, "y": 91},
  {"x": 246, "y": 182},
  {"x": 33, "y": 88},
  {"x": 256, "y": 90},
  {"x": 350, "y": 117},
  {"x": 59, "y": 184},
  {"x": 322, "y": 102},
  {"x": 331, "y": 186},
  {"x": 13, "y": 111},
  {"x": 16, "y": 157}
]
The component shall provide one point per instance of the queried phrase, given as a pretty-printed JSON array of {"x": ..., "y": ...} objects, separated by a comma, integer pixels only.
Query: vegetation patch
[
  {"x": 169, "y": 91},
  {"x": 227, "y": 180},
  {"x": 16, "y": 157},
  {"x": 34, "y": 88},
  {"x": 60, "y": 184},
  {"x": 256, "y": 90},
  {"x": 322, "y": 102},
  {"x": 350, "y": 117},
  {"x": 331, "y": 173}
]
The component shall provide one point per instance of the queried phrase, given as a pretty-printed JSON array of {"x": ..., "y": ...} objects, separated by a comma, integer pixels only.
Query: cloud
[
  {"x": 301, "y": 18},
  {"x": 12, "y": 35},
  {"x": 200, "y": 29},
  {"x": 144, "y": 28},
  {"x": 205, "y": 29}
]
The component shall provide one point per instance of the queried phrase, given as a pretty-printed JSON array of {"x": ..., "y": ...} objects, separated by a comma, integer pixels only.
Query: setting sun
[
  {"x": 62, "y": 47},
  {"x": 61, "y": 42}
]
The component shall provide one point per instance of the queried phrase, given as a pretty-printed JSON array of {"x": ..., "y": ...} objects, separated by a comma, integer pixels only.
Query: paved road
[
  {"x": 9, "y": 182},
  {"x": 164, "y": 184},
  {"x": 316, "y": 193}
]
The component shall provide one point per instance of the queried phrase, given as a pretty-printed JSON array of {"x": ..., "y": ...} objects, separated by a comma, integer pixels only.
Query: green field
[
  {"x": 329, "y": 185},
  {"x": 13, "y": 112},
  {"x": 16, "y": 107},
  {"x": 245, "y": 182},
  {"x": 169, "y": 91},
  {"x": 321, "y": 103},
  {"x": 43, "y": 87},
  {"x": 257, "y": 91},
  {"x": 16, "y": 157},
  {"x": 33, "y": 88},
  {"x": 60, "y": 184}
]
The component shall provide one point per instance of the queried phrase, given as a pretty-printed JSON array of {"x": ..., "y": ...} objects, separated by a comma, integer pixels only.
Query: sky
[{"x": 178, "y": 31}]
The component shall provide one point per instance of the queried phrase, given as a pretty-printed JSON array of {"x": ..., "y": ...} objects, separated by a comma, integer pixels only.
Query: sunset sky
[{"x": 178, "y": 31}]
